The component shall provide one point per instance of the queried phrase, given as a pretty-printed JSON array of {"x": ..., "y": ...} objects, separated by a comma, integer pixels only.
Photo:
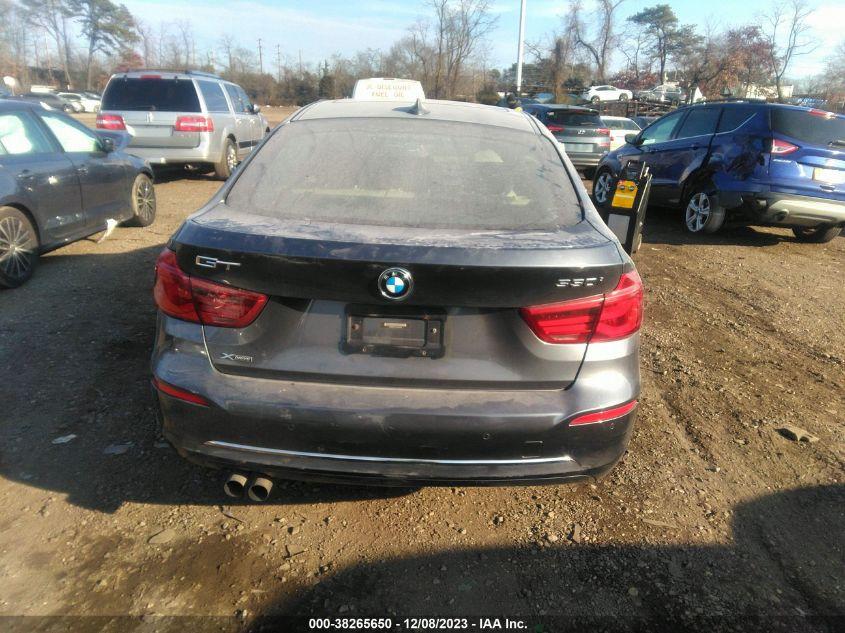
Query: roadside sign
[{"x": 388, "y": 89}]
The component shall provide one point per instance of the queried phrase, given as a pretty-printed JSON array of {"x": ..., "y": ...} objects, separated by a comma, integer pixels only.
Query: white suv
[
  {"x": 183, "y": 118},
  {"x": 606, "y": 93}
]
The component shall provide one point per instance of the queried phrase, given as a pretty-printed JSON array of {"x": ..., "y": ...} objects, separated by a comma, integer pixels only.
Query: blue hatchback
[{"x": 744, "y": 162}]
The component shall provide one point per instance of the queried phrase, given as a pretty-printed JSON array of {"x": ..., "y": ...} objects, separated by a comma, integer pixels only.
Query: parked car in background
[
  {"x": 745, "y": 162},
  {"x": 385, "y": 296},
  {"x": 51, "y": 100},
  {"x": 644, "y": 121},
  {"x": 5, "y": 92},
  {"x": 606, "y": 93},
  {"x": 663, "y": 93},
  {"x": 60, "y": 182},
  {"x": 86, "y": 103},
  {"x": 619, "y": 127},
  {"x": 585, "y": 138},
  {"x": 183, "y": 118}
]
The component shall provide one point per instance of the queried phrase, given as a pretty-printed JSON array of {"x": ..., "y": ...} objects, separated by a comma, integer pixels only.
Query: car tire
[
  {"x": 603, "y": 187},
  {"x": 143, "y": 201},
  {"x": 595, "y": 99},
  {"x": 18, "y": 247},
  {"x": 702, "y": 212},
  {"x": 623, "y": 97},
  {"x": 228, "y": 161},
  {"x": 817, "y": 234}
]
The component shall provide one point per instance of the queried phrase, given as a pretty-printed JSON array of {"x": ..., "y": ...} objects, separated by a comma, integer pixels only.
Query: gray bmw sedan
[{"x": 399, "y": 293}]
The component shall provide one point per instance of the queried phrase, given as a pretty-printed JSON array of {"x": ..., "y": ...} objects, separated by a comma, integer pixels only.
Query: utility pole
[
  {"x": 519, "y": 54},
  {"x": 300, "y": 63},
  {"x": 278, "y": 63},
  {"x": 260, "y": 58}
]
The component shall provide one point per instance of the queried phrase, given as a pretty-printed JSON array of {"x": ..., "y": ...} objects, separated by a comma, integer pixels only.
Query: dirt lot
[{"x": 712, "y": 517}]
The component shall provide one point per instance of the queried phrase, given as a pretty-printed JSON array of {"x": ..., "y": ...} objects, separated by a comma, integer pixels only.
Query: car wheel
[
  {"x": 595, "y": 99},
  {"x": 817, "y": 234},
  {"x": 603, "y": 187},
  {"x": 703, "y": 212},
  {"x": 18, "y": 247},
  {"x": 229, "y": 161},
  {"x": 623, "y": 97},
  {"x": 143, "y": 201}
]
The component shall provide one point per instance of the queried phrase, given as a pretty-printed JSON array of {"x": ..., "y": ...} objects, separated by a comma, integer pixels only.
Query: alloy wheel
[
  {"x": 231, "y": 158},
  {"x": 17, "y": 248},
  {"x": 698, "y": 212},
  {"x": 145, "y": 199},
  {"x": 602, "y": 189}
]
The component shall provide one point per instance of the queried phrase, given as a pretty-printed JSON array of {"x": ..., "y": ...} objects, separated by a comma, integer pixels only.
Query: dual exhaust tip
[{"x": 257, "y": 489}]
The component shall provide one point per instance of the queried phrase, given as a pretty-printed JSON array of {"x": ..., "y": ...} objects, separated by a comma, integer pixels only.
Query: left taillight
[
  {"x": 603, "y": 131},
  {"x": 179, "y": 295},
  {"x": 110, "y": 122},
  {"x": 605, "y": 317},
  {"x": 194, "y": 123},
  {"x": 782, "y": 148}
]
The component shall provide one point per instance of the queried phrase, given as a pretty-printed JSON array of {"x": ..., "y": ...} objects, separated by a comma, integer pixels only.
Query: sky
[{"x": 319, "y": 28}]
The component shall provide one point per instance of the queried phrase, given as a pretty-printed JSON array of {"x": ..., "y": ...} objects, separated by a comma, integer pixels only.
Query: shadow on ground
[
  {"x": 782, "y": 572},
  {"x": 80, "y": 335}
]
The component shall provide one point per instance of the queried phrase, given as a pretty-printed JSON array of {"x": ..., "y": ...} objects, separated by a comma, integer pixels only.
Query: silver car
[{"x": 183, "y": 118}]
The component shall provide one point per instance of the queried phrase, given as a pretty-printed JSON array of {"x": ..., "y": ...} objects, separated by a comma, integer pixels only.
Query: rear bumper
[
  {"x": 393, "y": 435},
  {"x": 175, "y": 155},
  {"x": 781, "y": 209},
  {"x": 585, "y": 160}
]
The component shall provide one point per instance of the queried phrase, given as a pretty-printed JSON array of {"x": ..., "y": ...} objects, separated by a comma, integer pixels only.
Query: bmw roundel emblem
[{"x": 395, "y": 284}]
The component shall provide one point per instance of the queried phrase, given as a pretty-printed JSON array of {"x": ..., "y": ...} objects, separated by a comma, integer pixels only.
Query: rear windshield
[
  {"x": 565, "y": 117},
  {"x": 409, "y": 173},
  {"x": 820, "y": 128},
  {"x": 169, "y": 95}
]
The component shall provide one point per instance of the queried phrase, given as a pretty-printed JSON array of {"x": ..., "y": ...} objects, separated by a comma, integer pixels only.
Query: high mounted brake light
[
  {"x": 605, "y": 317},
  {"x": 179, "y": 295}
]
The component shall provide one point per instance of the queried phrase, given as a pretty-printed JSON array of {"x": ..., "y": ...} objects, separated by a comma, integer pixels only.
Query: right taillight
[
  {"x": 110, "y": 122},
  {"x": 555, "y": 128},
  {"x": 194, "y": 123},
  {"x": 179, "y": 295},
  {"x": 606, "y": 317},
  {"x": 780, "y": 147}
]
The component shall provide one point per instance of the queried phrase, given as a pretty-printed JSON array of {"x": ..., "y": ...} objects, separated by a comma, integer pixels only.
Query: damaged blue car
[{"x": 743, "y": 162}]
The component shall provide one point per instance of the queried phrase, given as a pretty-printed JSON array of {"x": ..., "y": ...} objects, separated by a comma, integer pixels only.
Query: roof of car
[
  {"x": 456, "y": 111},
  {"x": 616, "y": 118},
  {"x": 14, "y": 103},
  {"x": 564, "y": 106}
]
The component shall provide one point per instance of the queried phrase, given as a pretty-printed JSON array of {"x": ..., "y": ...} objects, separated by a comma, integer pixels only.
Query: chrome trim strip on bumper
[{"x": 387, "y": 460}]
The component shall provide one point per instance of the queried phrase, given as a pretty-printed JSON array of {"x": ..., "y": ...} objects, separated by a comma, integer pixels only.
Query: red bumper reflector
[
  {"x": 604, "y": 416},
  {"x": 179, "y": 394}
]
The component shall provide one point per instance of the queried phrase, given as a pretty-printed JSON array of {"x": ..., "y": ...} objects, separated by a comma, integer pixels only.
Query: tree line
[{"x": 447, "y": 48}]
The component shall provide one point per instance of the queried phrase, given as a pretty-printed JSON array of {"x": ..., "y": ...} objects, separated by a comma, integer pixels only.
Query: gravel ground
[{"x": 713, "y": 518}]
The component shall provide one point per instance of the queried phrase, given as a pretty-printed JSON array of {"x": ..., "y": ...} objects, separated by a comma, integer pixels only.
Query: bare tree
[
  {"x": 146, "y": 34},
  {"x": 787, "y": 37},
  {"x": 458, "y": 32},
  {"x": 601, "y": 45},
  {"x": 52, "y": 17}
]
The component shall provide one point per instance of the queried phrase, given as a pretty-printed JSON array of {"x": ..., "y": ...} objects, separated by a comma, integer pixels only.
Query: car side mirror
[
  {"x": 256, "y": 108},
  {"x": 632, "y": 139},
  {"x": 107, "y": 144}
]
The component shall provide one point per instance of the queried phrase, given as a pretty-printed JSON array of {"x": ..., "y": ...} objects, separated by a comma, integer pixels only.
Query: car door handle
[
  {"x": 25, "y": 174},
  {"x": 695, "y": 146},
  {"x": 82, "y": 170}
]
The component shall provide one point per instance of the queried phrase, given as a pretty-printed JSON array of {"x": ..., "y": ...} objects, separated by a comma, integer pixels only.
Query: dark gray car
[
  {"x": 585, "y": 138},
  {"x": 399, "y": 294},
  {"x": 60, "y": 182}
]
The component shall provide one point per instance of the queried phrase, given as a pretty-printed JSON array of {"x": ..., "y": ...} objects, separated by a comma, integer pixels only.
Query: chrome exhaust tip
[
  {"x": 260, "y": 489},
  {"x": 235, "y": 485}
]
